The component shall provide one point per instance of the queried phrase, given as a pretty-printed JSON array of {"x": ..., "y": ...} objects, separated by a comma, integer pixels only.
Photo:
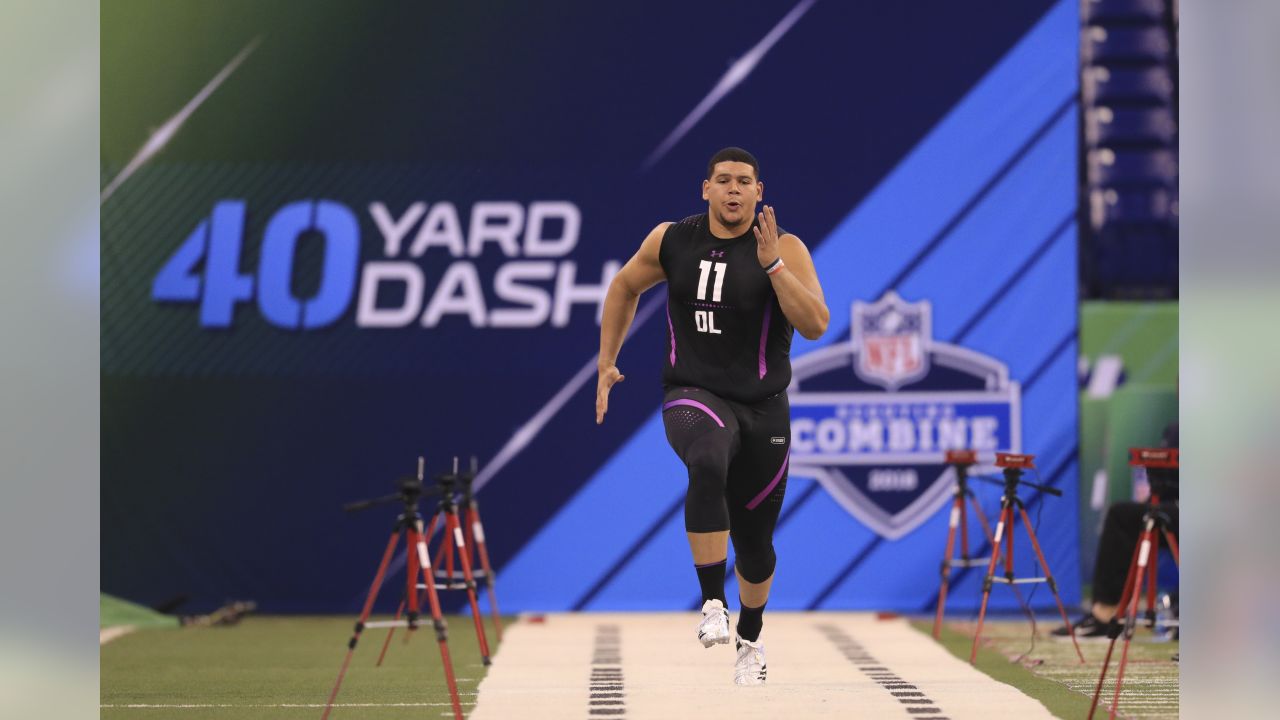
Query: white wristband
[{"x": 775, "y": 266}]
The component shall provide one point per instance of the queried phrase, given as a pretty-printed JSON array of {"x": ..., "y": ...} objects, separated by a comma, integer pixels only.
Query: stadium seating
[
  {"x": 1106, "y": 126},
  {"x": 1127, "y": 86},
  {"x": 1130, "y": 137}
]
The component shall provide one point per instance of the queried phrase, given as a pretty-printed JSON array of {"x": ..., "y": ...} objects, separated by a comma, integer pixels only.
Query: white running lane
[{"x": 819, "y": 665}]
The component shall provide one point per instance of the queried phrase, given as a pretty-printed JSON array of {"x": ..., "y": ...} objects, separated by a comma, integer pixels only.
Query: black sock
[
  {"x": 750, "y": 621},
  {"x": 711, "y": 578}
]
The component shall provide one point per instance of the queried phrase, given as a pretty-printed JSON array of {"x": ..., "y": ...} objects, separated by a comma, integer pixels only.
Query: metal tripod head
[
  {"x": 446, "y": 484},
  {"x": 1161, "y": 467},
  {"x": 1013, "y": 466},
  {"x": 961, "y": 461},
  {"x": 409, "y": 491}
]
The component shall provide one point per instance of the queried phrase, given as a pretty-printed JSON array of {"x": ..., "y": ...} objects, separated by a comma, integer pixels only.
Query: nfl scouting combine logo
[{"x": 872, "y": 418}]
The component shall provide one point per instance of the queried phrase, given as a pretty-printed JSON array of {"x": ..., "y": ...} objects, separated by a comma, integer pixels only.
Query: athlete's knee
[
  {"x": 708, "y": 461},
  {"x": 755, "y": 559},
  {"x": 704, "y": 507}
]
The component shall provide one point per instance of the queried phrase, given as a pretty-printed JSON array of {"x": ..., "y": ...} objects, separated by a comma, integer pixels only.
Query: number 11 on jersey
[
  {"x": 705, "y": 320},
  {"x": 704, "y": 269}
]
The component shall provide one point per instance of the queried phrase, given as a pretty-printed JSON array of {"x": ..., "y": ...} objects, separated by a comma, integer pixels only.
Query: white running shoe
[
  {"x": 750, "y": 668},
  {"x": 714, "y": 628}
]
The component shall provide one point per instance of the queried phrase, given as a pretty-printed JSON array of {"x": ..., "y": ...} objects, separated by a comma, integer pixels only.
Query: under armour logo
[{"x": 717, "y": 253}]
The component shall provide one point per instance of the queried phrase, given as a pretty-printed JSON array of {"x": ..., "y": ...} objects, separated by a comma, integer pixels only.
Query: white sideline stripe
[
  {"x": 198, "y": 706},
  {"x": 543, "y": 671},
  {"x": 107, "y": 634}
]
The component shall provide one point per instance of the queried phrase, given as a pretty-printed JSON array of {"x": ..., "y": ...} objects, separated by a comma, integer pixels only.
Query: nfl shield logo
[
  {"x": 876, "y": 438},
  {"x": 891, "y": 341}
]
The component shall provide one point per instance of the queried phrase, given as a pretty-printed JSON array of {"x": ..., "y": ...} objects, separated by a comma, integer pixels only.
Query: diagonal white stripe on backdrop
[
  {"x": 165, "y": 132},
  {"x": 733, "y": 77}
]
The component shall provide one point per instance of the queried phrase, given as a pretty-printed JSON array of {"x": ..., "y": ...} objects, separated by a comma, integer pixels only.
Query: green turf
[
  {"x": 269, "y": 662},
  {"x": 1051, "y": 671},
  {"x": 113, "y": 612}
]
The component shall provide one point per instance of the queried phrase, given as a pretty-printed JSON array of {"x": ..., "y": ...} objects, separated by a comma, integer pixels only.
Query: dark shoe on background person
[{"x": 1088, "y": 628}]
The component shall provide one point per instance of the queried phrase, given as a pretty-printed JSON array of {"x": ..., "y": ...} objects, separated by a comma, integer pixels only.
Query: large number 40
[{"x": 218, "y": 240}]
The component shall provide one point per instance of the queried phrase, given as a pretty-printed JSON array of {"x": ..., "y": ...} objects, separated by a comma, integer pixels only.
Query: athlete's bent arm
[
  {"x": 796, "y": 282},
  {"x": 641, "y": 272}
]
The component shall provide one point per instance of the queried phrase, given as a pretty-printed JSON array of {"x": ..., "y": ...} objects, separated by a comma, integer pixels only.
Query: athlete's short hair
[{"x": 733, "y": 154}]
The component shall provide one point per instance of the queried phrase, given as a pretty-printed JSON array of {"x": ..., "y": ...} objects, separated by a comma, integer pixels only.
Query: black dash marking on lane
[
  {"x": 605, "y": 688},
  {"x": 915, "y": 702}
]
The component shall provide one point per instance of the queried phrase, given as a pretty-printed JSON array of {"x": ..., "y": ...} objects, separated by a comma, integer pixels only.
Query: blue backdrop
[{"x": 387, "y": 233}]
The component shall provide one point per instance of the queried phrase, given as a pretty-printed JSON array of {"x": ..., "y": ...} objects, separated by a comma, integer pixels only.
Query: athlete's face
[{"x": 732, "y": 194}]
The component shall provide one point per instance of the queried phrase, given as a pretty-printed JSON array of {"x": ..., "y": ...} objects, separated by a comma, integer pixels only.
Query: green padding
[
  {"x": 1144, "y": 335},
  {"x": 114, "y": 611}
]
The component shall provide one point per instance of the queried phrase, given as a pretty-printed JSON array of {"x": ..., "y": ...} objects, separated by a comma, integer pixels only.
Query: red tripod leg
[
  {"x": 446, "y": 547},
  {"x": 437, "y": 618},
  {"x": 421, "y": 596},
  {"x": 391, "y": 631},
  {"x": 957, "y": 511},
  {"x": 1124, "y": 601},
  {"x": 442, "y": 552},
  {"x": 1131, "y": 617},
  {"x": 1005, "y": 512},
  {"x": 477, "y": 531},
  {"x": 1048, "y": 576},
  {"x": 364, "y": 616},
  {"x": 453, "y": 528}
]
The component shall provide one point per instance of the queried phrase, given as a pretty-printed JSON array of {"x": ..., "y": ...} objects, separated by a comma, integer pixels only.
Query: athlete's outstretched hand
[
  {"x": 607, "y": 377},
  {"x": 766, "y": 237}
]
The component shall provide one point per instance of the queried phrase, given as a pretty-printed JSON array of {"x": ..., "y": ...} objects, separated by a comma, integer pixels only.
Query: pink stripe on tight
[
  {"x": 764, "y": 337},
  {"x": 694, "y": 403},
  {"x": 672, "y": 330},
  {"x": 774, "y": 483}
]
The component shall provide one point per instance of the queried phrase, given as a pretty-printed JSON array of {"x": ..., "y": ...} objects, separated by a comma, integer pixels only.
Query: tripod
[
  {"x": 453, "y": 536},
  {"x": 960, "y": 461},
  {"x": 409, "y": 523},
  {"x": 1162, "y": 465},
  {"x": 470, "y": 510},
  {"x": 1013, "y": 466}
]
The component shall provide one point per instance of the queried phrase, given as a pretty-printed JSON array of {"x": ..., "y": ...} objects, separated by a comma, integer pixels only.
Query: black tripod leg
[{"x": 1048, "y": 575}]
